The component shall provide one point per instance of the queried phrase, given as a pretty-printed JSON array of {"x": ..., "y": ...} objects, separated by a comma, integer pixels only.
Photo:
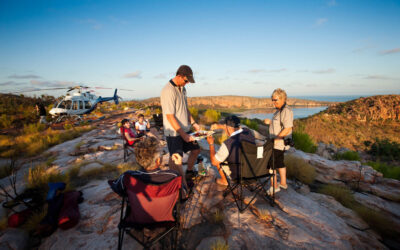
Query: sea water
[
  {"x": 303, "y": 111},
  {"x": 297, "y": 113}
]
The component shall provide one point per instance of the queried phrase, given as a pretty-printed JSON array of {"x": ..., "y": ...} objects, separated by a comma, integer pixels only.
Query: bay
[{"x": 297, "y": 113}]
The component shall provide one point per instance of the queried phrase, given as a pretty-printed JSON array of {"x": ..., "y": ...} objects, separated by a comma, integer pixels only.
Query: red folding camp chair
[{"x": 149, "y": 212}]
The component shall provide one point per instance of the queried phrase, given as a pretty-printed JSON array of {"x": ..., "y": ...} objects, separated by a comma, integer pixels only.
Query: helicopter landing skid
[{"x": 62, "y": 118}]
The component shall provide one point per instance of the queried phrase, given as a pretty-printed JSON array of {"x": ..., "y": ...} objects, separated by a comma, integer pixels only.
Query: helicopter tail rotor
[{"x": 116, "y": 98}]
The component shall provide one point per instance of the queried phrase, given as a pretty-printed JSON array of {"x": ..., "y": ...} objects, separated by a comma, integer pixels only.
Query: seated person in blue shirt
[{"x": 229, "y": 150}]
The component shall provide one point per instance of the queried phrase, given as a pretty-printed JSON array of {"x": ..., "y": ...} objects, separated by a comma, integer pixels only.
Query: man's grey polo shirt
[
  {"x": 174, "y": 101},
  {"x": 286, "y": 117}
]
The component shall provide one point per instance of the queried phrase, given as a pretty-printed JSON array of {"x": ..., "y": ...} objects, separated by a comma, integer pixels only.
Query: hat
[
  {"x": 232, "y": 121},
  {"x": 185, "y": 70}
]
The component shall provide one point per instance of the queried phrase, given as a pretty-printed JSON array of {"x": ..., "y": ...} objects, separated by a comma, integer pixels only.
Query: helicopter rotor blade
[{"x": 34, "y": 90}]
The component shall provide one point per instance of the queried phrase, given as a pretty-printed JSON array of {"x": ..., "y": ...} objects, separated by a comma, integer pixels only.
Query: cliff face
[
  {"x": 243, "y": 102},
  {"x": 355, "y": 123},
  {"x": 374, "y": 108}
]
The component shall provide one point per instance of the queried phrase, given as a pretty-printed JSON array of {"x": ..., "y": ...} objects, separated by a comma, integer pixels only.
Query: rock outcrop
[
  {"x": 351, "y": 172},
  {"x": 242, "y": 102},
  {"x": 300, "y": 219}
]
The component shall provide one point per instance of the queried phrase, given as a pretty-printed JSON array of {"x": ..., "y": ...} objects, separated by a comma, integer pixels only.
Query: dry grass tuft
[
  {"x": 34, "y": 220},
  {"x": 219, "y": 245},
  {"x": 264, "y": 214},
  {"x": 123, "y": 167},
  {"x": 377, "y": 221},
  {"x": 3, "y": 223},
  {"x": 218, "y": 216},
  {"x": 40, "y": 175},
  {"x": 299, "y": 169}
]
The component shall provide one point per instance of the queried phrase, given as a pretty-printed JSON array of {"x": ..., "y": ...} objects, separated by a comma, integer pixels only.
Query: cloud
[
  {"x": 266, "y": 71},
  {"x": 11, "y": 83},
  {"x": 136, "y": 74},
  {"x": 93, "y": 23},
  {"x": 321, "y": 21},
  {"x": 332, "y": 3},
  {"x": 15, "y": 76},
  {"x": 311, "y": 85},
  {"x": 161, "y": 76},
  {"x": 379, "y": 77},
  {"x": 362, "y": 49},
  {"x": 324, "y": 71},
  {"x": 390, "y": 51},
  {"x": 54, "y": 84}
]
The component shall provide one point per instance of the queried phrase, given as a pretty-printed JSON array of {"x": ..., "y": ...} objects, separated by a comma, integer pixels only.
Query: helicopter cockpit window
[
  {"x": 61, "y": 105},
  {"x": 80, "y": 104},
  {"x": 88, "y": 105},
  {"x": 68, "y": 104},
  {"x": 75, "y": 105}
]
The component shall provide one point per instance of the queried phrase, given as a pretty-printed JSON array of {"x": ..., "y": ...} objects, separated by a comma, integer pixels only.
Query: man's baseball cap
[
  {"x": 185, "y": 70},
  {"x": 232, "y": 121}
]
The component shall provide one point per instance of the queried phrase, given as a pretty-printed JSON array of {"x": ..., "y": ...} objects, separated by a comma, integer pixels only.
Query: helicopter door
[
  {"x": 80, "y": 104},
  {"x": 88, "y": 105}
]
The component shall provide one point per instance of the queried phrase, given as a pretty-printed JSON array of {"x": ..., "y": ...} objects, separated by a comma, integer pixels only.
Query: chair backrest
[
  {"x": 158, "y": 120},
  {"x": 151, "y": 203},
  {"x": 254, "y": 159}
]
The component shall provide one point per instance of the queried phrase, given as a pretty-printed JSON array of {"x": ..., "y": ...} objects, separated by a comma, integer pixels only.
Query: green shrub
[
  {"x": 341, "y": 193},
  {"x": 67, "y": 126},
  {"x": 385, "y": 150},
  {"x": 388, "y": 171},
  {"x": 147, "y": 112},
  {"x": 5, "y": 121},
  {"x": 253, "y": 124},
  {"x": 299, "y": 169},
  {"x": 303, "y": 142},
  {"x": 212, "y": 115},
  {"x": 348, "y": 155},
  {"x": 194, "y": 112}
]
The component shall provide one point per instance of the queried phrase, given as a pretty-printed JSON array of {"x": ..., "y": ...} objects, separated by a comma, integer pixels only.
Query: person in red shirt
[{"x": 126, "y": 131}]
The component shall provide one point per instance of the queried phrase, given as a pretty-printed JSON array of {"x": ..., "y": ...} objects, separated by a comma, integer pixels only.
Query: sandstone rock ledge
[{"x": 297, "y": 221}]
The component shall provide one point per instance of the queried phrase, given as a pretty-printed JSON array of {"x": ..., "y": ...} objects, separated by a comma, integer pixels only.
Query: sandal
[{"x": 282, "y": 186}]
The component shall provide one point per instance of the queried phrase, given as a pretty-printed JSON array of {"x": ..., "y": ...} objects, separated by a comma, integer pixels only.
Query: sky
[{"x": 308, "y": 48}]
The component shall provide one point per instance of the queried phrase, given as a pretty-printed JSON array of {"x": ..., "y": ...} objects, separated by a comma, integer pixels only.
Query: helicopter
[{"x": 79, "y": 103}]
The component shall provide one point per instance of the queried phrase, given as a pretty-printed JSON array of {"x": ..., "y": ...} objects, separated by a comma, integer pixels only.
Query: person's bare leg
[
  {"x": 178, "y": 168},
  {"x": 192, "y": 158},
  {"x": 275, "y": 179},
  {"x": 222, "y": 180},
  {"x": 282, "y": 174}
]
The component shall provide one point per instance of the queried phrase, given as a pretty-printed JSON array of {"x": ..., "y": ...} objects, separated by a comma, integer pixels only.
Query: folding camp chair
[
  {"x": 253, "y": 174},
  {"x": 128, "y": 149},
  {"x": 150, "y": 212},
  {"x": 158, "y": 120}
]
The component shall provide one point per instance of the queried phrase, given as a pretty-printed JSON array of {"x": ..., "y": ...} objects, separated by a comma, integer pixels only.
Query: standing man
[{"x": 177, "y": 120}]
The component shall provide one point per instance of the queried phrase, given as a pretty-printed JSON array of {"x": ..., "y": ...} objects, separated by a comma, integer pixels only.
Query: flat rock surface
[{"x": 300, "y": 219}]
